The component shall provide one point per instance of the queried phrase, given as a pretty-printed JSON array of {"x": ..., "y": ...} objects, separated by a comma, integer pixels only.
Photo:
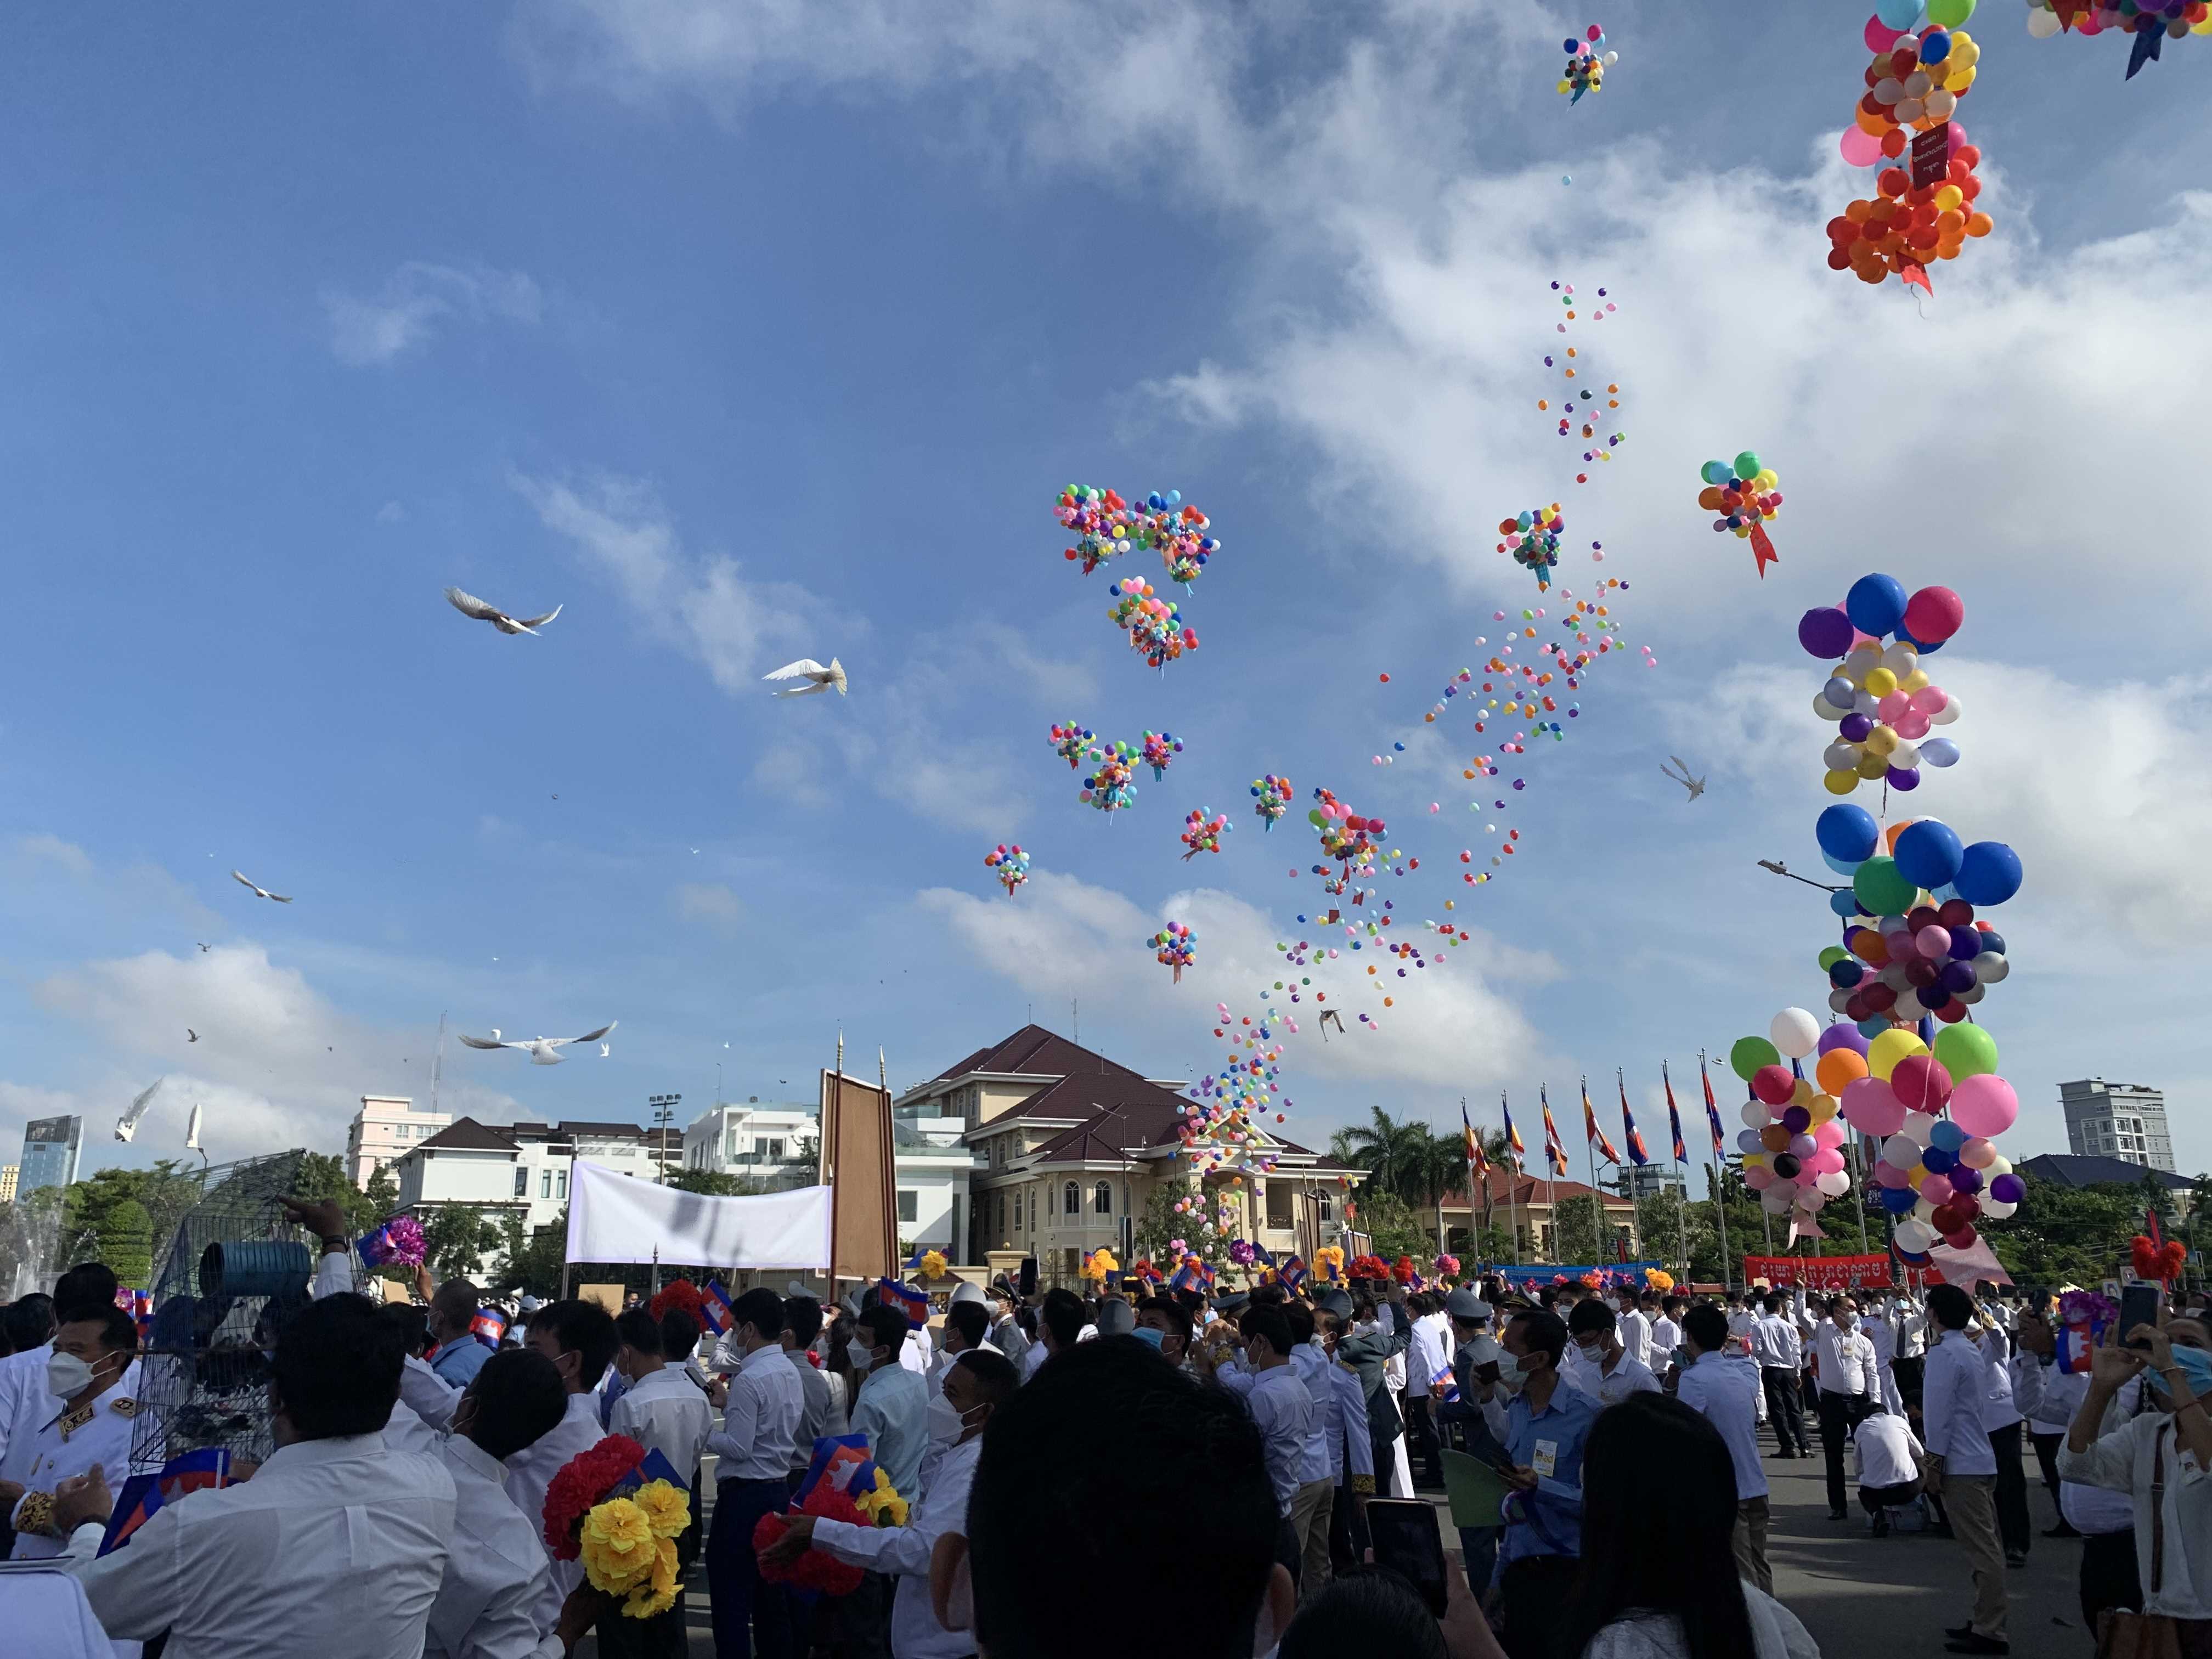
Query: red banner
[{"x": 1820, "y": 1272}]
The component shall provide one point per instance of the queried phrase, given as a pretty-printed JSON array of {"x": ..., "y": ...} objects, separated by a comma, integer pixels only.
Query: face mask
[
  {"x": 1146, "y": 1333},
  {"x": 2196, "y": 1370},
  {"x": 1590, "y": 1350},
  {"x": 1849, "y": 1322},
  {"x": 946, "y": 1424},
  {"x": 1510, "y": 1375},
  {"x": 860, "y": 1354},
  {"x": 67, "y": 1376}
]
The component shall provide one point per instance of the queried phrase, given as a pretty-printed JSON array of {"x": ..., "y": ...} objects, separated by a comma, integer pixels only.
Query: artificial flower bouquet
[
  {"x": 609, "y": 1508},
  {"x": 842, "y": 1483}
]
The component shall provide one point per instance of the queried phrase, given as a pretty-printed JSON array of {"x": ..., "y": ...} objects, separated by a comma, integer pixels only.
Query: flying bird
[
  {"x": 1695, "y": 786},
  {"x": 544, "y": 1051},
  {"x": 262, "y": 890},
  {"x": 605, "y": 1049},
  {"x": 817, "y": 677},
  {"x": 190, "y": 1035},
  {"x": 469, "y": 605},
  {"x": 127, "y": 1124},
  {"x": 203, "y": 948}
]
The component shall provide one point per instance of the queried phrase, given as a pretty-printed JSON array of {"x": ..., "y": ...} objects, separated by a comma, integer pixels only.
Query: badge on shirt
[{"x": 1545, "y": 1460}]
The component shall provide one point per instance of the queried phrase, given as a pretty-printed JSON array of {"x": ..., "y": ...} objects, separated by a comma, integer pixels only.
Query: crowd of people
[{"x": 1234, "y": 1463}]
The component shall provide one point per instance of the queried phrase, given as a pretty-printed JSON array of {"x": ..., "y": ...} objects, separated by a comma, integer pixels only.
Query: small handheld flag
[{"x": 714, "y": 1307}]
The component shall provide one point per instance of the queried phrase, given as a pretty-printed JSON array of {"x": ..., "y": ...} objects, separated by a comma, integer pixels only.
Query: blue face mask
[
  {"x": 2196, "y": 1370},
  {"x": 1146, "y": 1333}
]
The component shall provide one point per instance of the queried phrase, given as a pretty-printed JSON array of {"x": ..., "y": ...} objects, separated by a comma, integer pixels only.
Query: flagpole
[
  {"x": 1513, "y": 1162},
  {"x": 1589, "y": 1161}
]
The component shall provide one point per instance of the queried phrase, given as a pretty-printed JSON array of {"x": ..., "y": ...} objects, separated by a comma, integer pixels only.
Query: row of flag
[{"x": 1555, "y": 1153}]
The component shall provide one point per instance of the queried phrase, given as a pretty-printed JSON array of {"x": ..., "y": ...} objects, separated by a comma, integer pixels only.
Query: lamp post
[{"x": 664, "y": 1114}]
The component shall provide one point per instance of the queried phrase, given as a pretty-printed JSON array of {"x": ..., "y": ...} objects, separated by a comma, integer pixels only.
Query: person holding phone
[{"x": 1546, "y": 1424}]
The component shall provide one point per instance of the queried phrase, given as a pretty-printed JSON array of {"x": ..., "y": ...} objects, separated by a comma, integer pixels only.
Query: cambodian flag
[
  {"x": 714, "y": 1307},
  {"x": 142, "y": 1494},
  {"x": 1713, "y": 1112},
  {"x": 1629, "y": 1132},
  {"x": 1674, "y": 1116},
  {"x": 488, "y": 1326}
]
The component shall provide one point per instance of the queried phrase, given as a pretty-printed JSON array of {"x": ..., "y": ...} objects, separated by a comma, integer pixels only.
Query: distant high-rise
[
  {"x": 2118, "y": 1120},
  {"x": 51, "y": 1145},
  {"x": 7, "y": 1184}
]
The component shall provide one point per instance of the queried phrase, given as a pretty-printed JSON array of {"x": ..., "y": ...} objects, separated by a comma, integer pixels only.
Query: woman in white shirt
[
  {"x": 1668, "y": 1592},
  {"x": 2159, "y": 1459}
]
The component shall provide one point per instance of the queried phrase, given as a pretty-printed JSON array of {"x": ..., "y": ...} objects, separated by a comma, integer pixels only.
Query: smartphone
[
  {"x": 1407, "y": 1542},
  {"x": 2138, "y": 1306},
  {"x": 1028, "y": 1283}
]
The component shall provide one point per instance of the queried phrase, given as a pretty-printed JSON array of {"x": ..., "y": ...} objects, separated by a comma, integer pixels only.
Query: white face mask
[
  {"x": 946, "y": 1424},
  {"x": 1510, "y": 1376},
  {"x": 67, "y": 1376},
  {"x": 860, "y": 1354},
  {"x": 1849, "y": 1322}
]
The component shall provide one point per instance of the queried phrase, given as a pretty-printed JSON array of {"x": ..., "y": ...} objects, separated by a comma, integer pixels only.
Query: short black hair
[
  {"x": 117, "y": 1330},
  {"x": 1542, "y": 1331},
  {"x": 407, "y": 1325},
  {"x": 1590, "y": 1316},
  {"x": 996, "y": 1379},
  {"x": 458, "y": 1300},
  {"x": 1364, "y": 1610},
  {"x": 802, "y": 1317},
  {"x": 1670, "y": 1305},
  {"x": 1706, "y": 1326},
  {"x": 679, "y": 1333},
  {"x": 1300, "y": 1317},
  {"x": 640, "y": 1330},
  {"x": 519, "y": 1398},
  {"x": 336, "y": 1368},
  {"x": 1062, "y": 1313},
  {"x": 969, "y": 1320},
  {"x": 1171, "y": 1309},
  {"x": 886, "y": 1326},
  {"x": 584, "y": 1327},
  {"x": 1772, "y": 1302},
  {"x": 87, "y": 1285},
  {"x": 1950, "y": 1306},
  {"x": 1271, "y": 1324},
  {"x": 1203, "y": 1476},
  {"x": 27, "y": 1322},
  {"x": 760, "y": 1307}
]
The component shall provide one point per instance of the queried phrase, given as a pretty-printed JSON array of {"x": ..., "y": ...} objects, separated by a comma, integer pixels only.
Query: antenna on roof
[
  {"x": 1075, "y": 1014},
  {"x": 438, "y": 1066}
]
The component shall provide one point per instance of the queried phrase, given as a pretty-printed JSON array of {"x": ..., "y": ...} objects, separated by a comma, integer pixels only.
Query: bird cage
[{"x": 233, "y": 1272}]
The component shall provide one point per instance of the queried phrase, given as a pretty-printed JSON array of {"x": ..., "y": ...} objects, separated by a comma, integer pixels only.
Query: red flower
[
  {"x": 1402, "y": 1270},
  {"x": 675, "y": 1293},
  {"x": 817, "y": 1569},
  {"x": 581, "y": 1484}
]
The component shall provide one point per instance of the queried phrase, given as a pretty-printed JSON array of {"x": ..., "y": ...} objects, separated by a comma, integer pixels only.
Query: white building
[
  {"x": 2118, "y": 1120},
  {"x": 522, "y": 1166},
  {"x": 776, "y": 1143},
  {"x": 383, "y": 1130}
]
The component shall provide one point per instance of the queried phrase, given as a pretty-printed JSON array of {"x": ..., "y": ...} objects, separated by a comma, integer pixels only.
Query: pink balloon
[
  {"x": 1936, "y": 1189},
  {"x": 1933, "y": 942},
  {"x": 1860, "y": 148},
  {"x": 1827, "y": 1161},
  {"x": 1871, "y": 1108},
  {"x": 1984, "y": 1105},
  {"x": 1828, "y": 1136},
  {"x": 1758, "y": 1177},
  {"x": 1911, "y": 726},
  {"x": 1891, "y": 706},
  {"x": 1887, "y": 1175},
  {"x": 1931, "y": 700},
  {"x": 1879, "y": 37},
  {"x": 1921, "y": 1083},
  {"x": 1774, "y": 1085}
]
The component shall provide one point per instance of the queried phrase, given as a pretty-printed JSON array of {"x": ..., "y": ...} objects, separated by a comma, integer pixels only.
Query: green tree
[
  {"x": 1582, "y": 1236},
  {"x": 713, "y": 1183},
  {"x": 126, "y": 1243},
  {"x": 1160, "y": 1225},
  {"x": 457, "y": 1237},
  {"x": 1662, "y": 1220},
  {"x": 1396, "y": 1230},
  {"x": 2062, "y": 1235},
  {"x": 163, "y": 1192},
  {"x": 534, "y": 1259}
]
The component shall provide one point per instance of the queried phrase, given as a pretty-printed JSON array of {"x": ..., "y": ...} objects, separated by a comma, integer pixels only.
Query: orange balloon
[
  {"x": 1890, "y": 835},
  {"x": 1837, "y": 1068}
]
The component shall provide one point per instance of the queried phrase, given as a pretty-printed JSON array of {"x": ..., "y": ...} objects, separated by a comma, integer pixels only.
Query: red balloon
[
  {"x": 1773, "y": 1084},
  {"x": 1921, "y": 1083},
  {"x": 1946, "y": 1219},
  {"x": 1880, "y": 998},
  {"x": 1952, "y": 1011},
  {"x": 1934, "y": 614},
  {"x": 1956, "y": 913},
  {"x": 1962, "y": 1240}
]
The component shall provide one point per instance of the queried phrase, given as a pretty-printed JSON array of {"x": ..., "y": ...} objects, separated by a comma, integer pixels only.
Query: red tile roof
[
  {"x": 466, "y": 1135},
  {"x": 1533, "y": 1189},
  {"x": 1034, "y": 1051}
]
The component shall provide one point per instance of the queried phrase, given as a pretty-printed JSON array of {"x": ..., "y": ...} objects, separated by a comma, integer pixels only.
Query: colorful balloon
[
  {"x": 1747, "y": 496},
  {"x": 1012, "y": 863}
]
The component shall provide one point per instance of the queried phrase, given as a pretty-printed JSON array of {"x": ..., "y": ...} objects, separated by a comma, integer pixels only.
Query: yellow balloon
[
  {"x": 1754, "y": 1160},
  {"x": 1880, "y": 681},
  {"x": 1916, "y": 681},
  {"x": 1882, "y": 741},
  {"x": 1822, "y": 1107},
  {"x": 1913, "y": 1177},
  {"x": 1841, "y": 783},
  {"x": 1946, "y": 198},
  {"x": 1871, "y": 766},
  {"x": 1899, "y": 1042},
  {"x": 1801, "y": 1095}
]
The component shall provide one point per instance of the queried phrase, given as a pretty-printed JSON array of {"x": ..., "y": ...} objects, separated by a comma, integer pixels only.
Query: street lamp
[{"x": 664, "y": 1114}]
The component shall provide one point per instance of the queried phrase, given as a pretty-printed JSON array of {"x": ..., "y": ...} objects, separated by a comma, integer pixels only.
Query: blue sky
[{"x": 746, "y": 335}]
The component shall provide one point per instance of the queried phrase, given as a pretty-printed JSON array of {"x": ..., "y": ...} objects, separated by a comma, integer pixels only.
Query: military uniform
[{"x": 96, "y": 1433}]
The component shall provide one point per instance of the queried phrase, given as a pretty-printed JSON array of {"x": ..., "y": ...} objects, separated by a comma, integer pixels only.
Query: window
[
  {"x": 1102, "y": 1198},
  {"x": 1279, "y": 1195},
  {"x": 545, "y": 1183},
  {"x": 910, "y": 1205},
  {"x": 1018, "y": 1213},
  {"x": 560, "y": 1184},
  {"x": 1071, "y": 1200},
  {"x": 772, "y": 1151},
  {"x": 1001, "y": 1208},
  {"x": 522, "y": 1183}
]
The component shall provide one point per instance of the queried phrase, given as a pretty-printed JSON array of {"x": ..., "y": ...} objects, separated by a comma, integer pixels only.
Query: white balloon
[
  {"x": 1776, "y": 1199},
  {"x": 1946, "y": 714},
  {"x": 1910, "y": 110},
  {"x": 1838, "y": 1000},
  {"x": 1990, "y": 967},
  {"x": 1906, "y": 757},
  {"x": 1868, "y": 704},
  {"x": 2003, "y": 1166},
  {"x": 1841, "y": 756},
  {"x": 1972, "y": 995},
  {"x": 1907, "y": 1005},
  {"x": 1835, "y": 1183},
  {"x": 1864, "y": 658},
  {"x": 1888, "y": 90},
  {"x": 1917, "y": 85},
  {"x": 1940, "y": 104},
  {"x": 1795, "y": 1032},
  {"x": 1827, "y": 711},
  {"x": 2042, "y": 25},
  {"x": 1900, "y": 1151},
  {"x": 1611, "y": 59},
  {"x": 1918, "y": 1126},
  {"x": 1996, "y": 1209},
  {"x": 1915, "y": 1236},
  {"x": 1900, "y": 660},
  {"x": 1755, "y": 1115}
]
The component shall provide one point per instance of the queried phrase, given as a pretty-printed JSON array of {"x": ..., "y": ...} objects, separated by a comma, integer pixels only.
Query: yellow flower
[
  {"x": 618, "y": 1546},
  {"x": 667, "y": 1509},
  {"x": 932, "y": 1265},
  {"x": 882, "y": 1506},
  {"x": 660, "y": 1593}
]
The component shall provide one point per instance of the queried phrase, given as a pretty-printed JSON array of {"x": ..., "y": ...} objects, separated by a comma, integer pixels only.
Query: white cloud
[
  {"x": 712, "y": 903},
  {"x": 139, "y": 889},
  {"x": 419, "y": 298},
  {"x": 1457, "y": 1023}
]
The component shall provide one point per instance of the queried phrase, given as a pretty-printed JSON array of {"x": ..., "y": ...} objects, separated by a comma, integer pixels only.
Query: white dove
[
  {"x": 257, "y": 888},
  {"x": 469, "y": 605},
  {"x": 605, "y": 1048},
  {"x": 1695, "y": 786},
  {"x": 544, "y": 1051},
  {"x": 127, "y": 1124},
  {"x": 818, "y": 678}
]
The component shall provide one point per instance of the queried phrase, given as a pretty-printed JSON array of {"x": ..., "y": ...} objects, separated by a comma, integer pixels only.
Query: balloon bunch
[
  {"x": 1918, "y": 214},
  {"x": 1102, "y": 521},
  {"x": 1109, "y": 789},
  {"x": 1071, "y": 743},
  {"x": 1587, "y": 63},
  {"x": 1881, "y": 698},
  {"x": 1202, "y": 833},
  {"x": 1533, "y": 539},
  {"x": 1792, "y": 1145},
  {"x": 1912, "y": 944},
  {"x": 1271, "y": 796},
  {"x": 1345, "y": 836},
  {"x": 1174, "y": 946},
  {"x": 1178, "y": 531},
  {"x": 2152, "y": 22},
  {"x": 1746, "y": 495},
  {"x": 1150, "y": 621},
  {"x": 1159, "y": 748},
  {"x": 1012, "y": 863},
  {"x": 1914, "y": 80},
  {"x": 1939, "y": 1114}
]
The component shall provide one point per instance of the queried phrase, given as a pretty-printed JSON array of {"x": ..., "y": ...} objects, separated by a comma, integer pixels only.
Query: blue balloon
[
  {"x": 1848, "y": 973},
  {"x": 1939, "y": 751},
  {"x": 1926, "y": 1030},
  {"x": 1873, "y": 1026},
  {"x": 1938, "y": 1161},
  {"x": 1989, "y": 874},
  {"x": 1875, "y": 603},
  {"x": 1844, "y": 903},
  {"x": 1847, "y": 832},
  {"x": 1927, "y": 852},
  {"x": 1948, "y": 1135},
  {"x": 1715, "y": 473},
  {"x": 1935, "y": 45},
  {"x": 1898, "y": 1200},
  {"x": 1897, "y": 14},
  {"x": 1841, "y": 866}
]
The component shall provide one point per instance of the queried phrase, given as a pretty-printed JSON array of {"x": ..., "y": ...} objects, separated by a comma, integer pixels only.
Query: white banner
[{"x": 613, "y": 1217}]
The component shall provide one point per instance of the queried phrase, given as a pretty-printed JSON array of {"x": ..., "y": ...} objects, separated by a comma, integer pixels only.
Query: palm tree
[{"x": 1395, "y": 1155}]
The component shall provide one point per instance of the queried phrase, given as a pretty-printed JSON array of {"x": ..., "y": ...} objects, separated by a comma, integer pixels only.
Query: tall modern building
[
  {"x": 2125, "y": 1121},
  {"x": 51, "y": 1145},
  {"x": 7, "y": 1184}
]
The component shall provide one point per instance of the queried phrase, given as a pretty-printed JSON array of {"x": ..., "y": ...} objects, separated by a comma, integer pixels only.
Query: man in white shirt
[
  {"x": 579, "y": 1338},
  {"x": 760, "y": 1419},
  {"x": 1428, "y": 1364},
  {"x": 819, "y": 1414},
  {"x": 1724, "y": 1387},
  {"x": 891, "y": 1407},
  {"x": 1605, "y": 1370},
  {"x": 26, "y": 1404},
  {"x": 965, "y": 1326},
  {"x": 1632, "y": 1326},
  {"x": 1666, "y": 1334},
  {"x": 1888, "y": 1457},
  {"x": 90, "y": 1429},
  {"x": 1953, "y": 1392},
  {"x": 1282, "y": 1407},
  {"x": 2058, "y": 1395},
  {"x": 1060, "y": 1328},
  {"x": 2011, "y": 1395},
  {"x": 663, "y": 1410},
  {"x": 1879, "y": 1325},
  {"x": 1777, "y": 1349},
  {"x": 976, "y": 1384},
  {"x": 342, "y": 1544},
  {"x": 1843, "y": 1363}
]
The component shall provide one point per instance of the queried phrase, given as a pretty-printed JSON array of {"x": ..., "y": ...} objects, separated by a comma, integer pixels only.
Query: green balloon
[
  {"x": 1967, "y": 1051},
  {"x": 1950, "y": 13},
  {"x": 1831, "y": 956},
  {"x": 1746, "y": 465},
  {"x": 1877, "y": 885},
  {"x": 1750, "y": 1054}
]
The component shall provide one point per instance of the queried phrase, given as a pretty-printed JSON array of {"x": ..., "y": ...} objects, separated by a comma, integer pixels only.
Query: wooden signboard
[{"x": 857, "y": 1167}]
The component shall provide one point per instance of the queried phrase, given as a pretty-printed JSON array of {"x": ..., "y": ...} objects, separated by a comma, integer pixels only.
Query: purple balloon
[
  {"x": 1966, "y": 1180},
  {"x": 1855, "y": 728},
  {"x": 1825, "y": 631},
  {"x": 1900, "y": 779},
  {"x": 1957, "y": 976},
  {"x": 1797, "y": 1120},
  {"x": 1965, "y": 942},
  {"x": 2008, "y": 1188},
  {"x": 1842, "y": 1035}
]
